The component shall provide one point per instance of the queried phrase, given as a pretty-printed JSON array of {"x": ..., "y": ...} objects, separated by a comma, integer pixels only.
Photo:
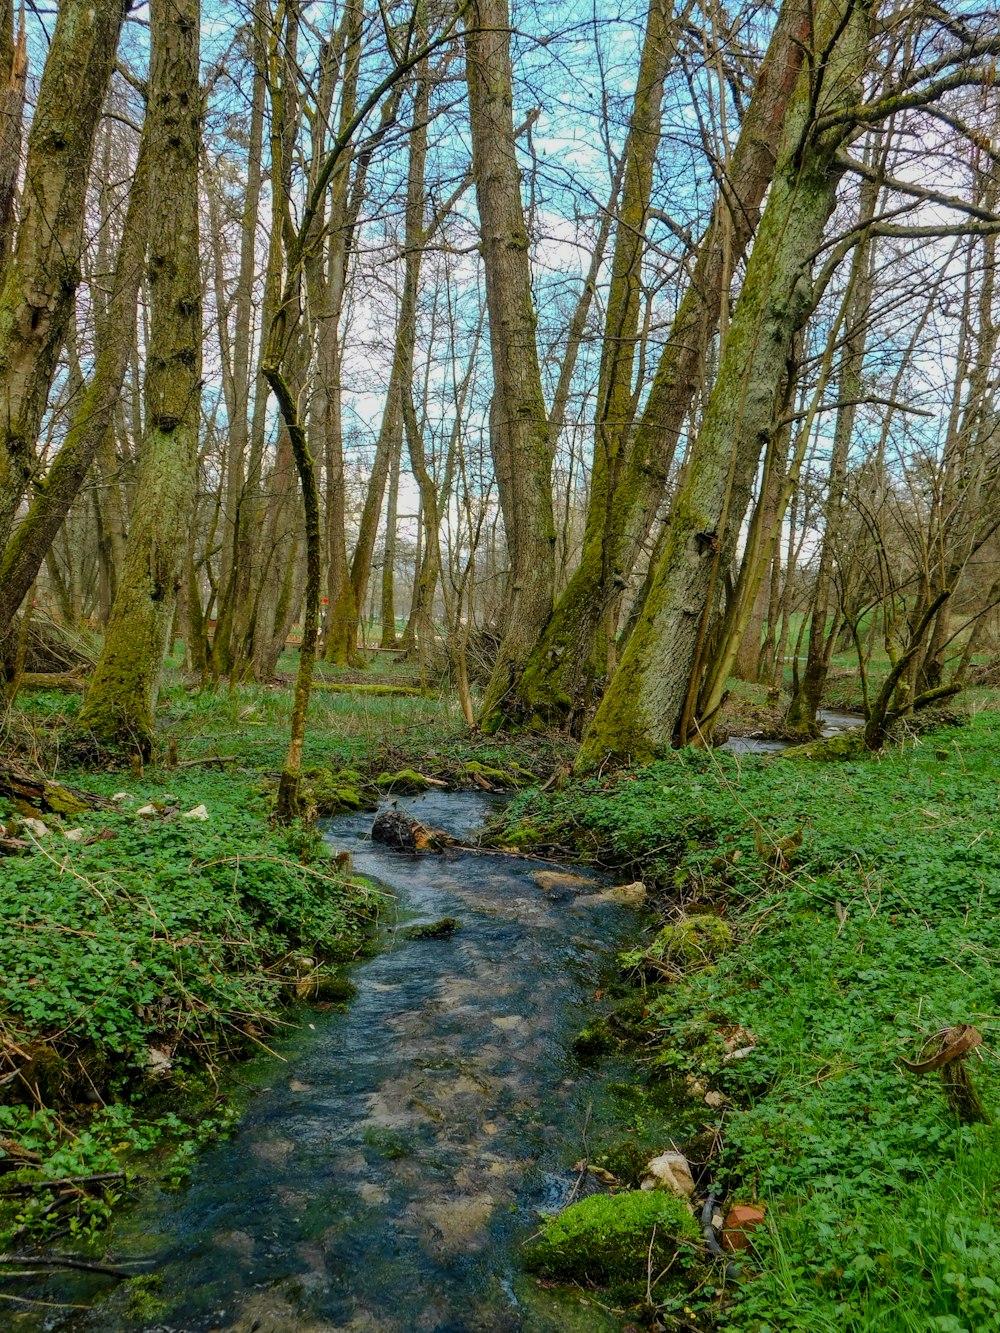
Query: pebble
[{"x": 670, "y": 1171}]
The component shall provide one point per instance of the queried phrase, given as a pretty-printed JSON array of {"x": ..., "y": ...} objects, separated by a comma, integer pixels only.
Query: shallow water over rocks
[
  {"x": 384, "y": 1177},
  {"x": 831, "y": 724}
]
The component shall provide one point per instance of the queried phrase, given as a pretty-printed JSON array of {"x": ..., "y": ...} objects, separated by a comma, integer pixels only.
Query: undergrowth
[
  {"x": 135, "y": 958},
  {"x": 863, "y": 899}
]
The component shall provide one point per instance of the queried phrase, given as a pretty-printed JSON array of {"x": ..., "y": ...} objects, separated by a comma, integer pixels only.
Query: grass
[{"x": 864, "y": 900}]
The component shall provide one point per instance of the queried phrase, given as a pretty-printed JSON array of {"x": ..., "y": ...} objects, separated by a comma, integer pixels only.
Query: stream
[
  {"x": 832, "y": 723},
  {"x": 384, "y": 1176}
]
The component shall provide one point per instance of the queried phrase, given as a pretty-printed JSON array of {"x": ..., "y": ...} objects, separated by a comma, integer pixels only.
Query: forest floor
[{"x": 858, "y": 904}]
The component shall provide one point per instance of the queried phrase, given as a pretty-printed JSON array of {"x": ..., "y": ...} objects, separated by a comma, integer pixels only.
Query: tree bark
[
  {"x": 624, "y": 505},
  {"x": 519, "y": 430},
  {"x": 40, "y": 280},
  {"x": 120, "y": 706},
  {"x": 642, "y": 709},
  {"x": 93, "y": 419}
]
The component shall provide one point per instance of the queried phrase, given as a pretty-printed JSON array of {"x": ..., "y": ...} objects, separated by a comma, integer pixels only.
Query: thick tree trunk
[
  {"x": 642, "y": 709},
  {"x": 120, "y": 706},
  {"x": 519, "y": 430},
  {"x": 623, "y": 505},
  {"x": 92, "y": 421},
  {"x": 40, "y": 280}
]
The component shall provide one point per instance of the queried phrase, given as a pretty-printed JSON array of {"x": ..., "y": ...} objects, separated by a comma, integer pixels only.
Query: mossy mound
[
  {"x": 333, "y": 793},
  {"x": 606, "y": 1240},
  {"x": 406, "y": 782},
  {"x": 687, "y": 944},
  {"x": 846, "y": 745}
]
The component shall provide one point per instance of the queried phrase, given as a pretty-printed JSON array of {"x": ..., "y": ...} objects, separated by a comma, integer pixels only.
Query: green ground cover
[
  {"x": 134, "y": 961},
  {"x": 858, "y": 904},
  {"x": 863, "y": 902}
]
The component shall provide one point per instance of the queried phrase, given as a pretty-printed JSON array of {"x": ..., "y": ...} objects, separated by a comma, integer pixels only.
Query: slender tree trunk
[
  {"x": 13, "y": 73},
  {"x": 240, "y": 377},
  {"x": 801, "y": 716},
  {"x": 519, "y": 430},
  {"x": 642, "y": 709},
  {"x": 92, "y": 422},
  {"x": 389, "y": 639},
  {"x": 120, "y": 705}
]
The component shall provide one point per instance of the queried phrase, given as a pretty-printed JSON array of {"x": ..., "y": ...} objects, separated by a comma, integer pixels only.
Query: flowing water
[
  {"x": 386, "y": 1175},
  {"x": 831, "y": 724}
]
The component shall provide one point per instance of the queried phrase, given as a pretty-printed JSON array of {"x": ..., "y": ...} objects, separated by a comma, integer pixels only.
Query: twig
[
  {"x": 28, "y": 1186},
  {"x": 64, "y": 1261}
]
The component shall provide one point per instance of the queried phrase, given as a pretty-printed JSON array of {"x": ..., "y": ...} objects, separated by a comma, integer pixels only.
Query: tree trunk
[
  {"x": 519, "y": 430},
  {"x": 623, "y": 506},
  {"x": 40, "y": 280},
  {"x": 388, "y": 639},
  {"x": 93, "y": 418},
  {"x": 120, "y": 706},
  {"x": 642, "y": 709},
  {"x": 801, "y": 716}
]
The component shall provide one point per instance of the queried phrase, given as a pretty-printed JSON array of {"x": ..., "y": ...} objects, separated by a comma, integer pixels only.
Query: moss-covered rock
[
  {"x": 433, "y": 930},
  {"x": 332, "y": 793},
  {"x": 606, "y": 1240},
  {"x": 687, "y": 944}
]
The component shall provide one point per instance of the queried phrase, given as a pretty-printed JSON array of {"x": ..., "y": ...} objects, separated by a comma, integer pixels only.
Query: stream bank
[
  {"x": 855, "y": 908},
  {"x": 390, "y": 1165}
]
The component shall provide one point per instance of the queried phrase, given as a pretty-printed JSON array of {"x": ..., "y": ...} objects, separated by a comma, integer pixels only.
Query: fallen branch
[
  {"x": 67, "y": 1182},
  {"x": 62, "y": 1261},
  {"x": 53, "y": 680}
]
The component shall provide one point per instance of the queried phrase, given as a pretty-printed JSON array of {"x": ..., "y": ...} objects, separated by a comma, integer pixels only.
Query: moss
[
  {"x": 848, "y": 745},
  {"x": 693, "y": 940},
  {"x": 326, "y": 986},
  {"x": 526, "y": 833},
  {"x": 332, "y": 793},
  {"x": 407, "y": 780},
  {"x": 433, "y": 930},
  {"x": 144, "y": 1300},
  {"x": 595, "y": 1040},
  {"x": 609, "y": 1239},
  {"x": 627, "y": 1161}
]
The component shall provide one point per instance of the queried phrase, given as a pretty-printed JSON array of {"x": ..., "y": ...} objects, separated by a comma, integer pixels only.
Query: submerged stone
[
  {"x": 433, "y": 930},
  {"x": 555, "y": 881}
]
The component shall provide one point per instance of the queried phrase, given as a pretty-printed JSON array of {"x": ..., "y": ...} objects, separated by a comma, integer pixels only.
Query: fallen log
[
  {"x": 44, "y": 794},
  {"x": 380, "y": 691},
  {"x": 71, "y": 681}
]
